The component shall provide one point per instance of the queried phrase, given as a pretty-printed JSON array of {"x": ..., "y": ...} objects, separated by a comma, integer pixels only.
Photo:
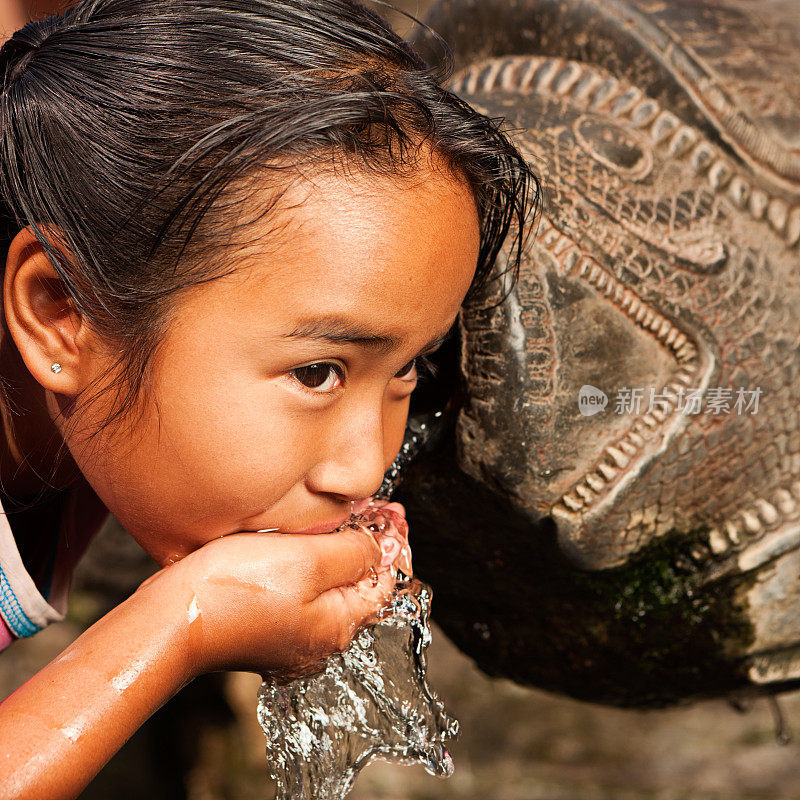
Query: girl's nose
[{"x": 354, "y": 464}]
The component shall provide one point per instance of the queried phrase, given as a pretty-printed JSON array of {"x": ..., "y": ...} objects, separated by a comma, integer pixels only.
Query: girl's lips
[
  {"x": 325, "y": 527},
  {"x": 357, "y": 509}
]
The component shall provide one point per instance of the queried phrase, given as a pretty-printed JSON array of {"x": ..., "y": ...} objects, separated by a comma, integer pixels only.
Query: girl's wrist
[{"x": 168, "y": 603}]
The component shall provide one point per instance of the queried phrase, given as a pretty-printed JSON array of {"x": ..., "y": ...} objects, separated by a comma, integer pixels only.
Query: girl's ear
[{"x": 43, "y": 320}]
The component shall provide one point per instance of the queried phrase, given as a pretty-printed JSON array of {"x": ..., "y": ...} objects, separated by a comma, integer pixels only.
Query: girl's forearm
[{"x": 60, "y": 727}]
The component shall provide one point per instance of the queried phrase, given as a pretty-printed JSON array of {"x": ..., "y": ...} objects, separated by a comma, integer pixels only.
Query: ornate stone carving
[{"x": 648, "y": 551}]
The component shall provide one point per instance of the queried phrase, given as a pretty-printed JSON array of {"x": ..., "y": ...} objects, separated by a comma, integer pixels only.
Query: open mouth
[{"x": 648, "y": 432}]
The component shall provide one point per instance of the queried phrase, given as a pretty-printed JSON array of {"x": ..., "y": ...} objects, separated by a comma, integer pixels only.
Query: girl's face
[{"x": 281, "y": 392}]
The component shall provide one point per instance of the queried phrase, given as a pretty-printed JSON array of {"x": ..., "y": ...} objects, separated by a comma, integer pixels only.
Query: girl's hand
[{"x": 275, "y": 603}]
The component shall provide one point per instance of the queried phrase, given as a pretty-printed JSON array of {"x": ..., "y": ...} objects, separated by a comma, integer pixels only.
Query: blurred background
[{"x": 516, "y": 743}]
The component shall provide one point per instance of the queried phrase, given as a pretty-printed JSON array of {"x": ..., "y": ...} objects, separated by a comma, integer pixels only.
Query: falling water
[{"x": 370, "y": 702}]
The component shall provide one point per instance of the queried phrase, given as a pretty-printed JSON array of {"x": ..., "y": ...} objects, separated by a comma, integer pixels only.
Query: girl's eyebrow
[{"x": 335, "y": 329}]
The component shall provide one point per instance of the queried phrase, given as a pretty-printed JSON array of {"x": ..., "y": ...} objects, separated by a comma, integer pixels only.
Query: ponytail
[{"x": 18, "y": 51}]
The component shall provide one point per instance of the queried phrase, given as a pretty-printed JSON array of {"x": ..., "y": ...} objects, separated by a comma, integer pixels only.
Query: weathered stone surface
[{"x": 638, "y": 549}]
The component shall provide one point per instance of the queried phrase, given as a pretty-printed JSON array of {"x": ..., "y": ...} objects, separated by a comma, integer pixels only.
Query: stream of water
[{"x": 370, "y": 702}]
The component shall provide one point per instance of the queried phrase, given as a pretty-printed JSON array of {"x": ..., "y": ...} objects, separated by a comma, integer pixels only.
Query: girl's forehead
[
  {"x": 387, "y": 261},
  {"x": 339, "y": 241}
]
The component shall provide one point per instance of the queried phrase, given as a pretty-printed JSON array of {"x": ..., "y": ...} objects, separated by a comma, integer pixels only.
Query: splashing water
[{"x": 370, "y": 702}]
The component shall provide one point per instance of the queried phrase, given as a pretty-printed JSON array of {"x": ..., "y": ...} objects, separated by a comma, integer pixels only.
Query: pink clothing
[{"x": 5, "y": 635}]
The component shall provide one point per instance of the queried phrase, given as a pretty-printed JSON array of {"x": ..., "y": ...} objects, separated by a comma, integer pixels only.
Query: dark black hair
[{"x": 131, "y": 128}]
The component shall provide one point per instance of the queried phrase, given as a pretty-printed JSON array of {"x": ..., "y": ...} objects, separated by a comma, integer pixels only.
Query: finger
[
  {"x": 398, "y": 507},
  {"x": 390, "y": 546},
  {"x": 344, "y": 610},
  {"x": 342, "y": 558}
]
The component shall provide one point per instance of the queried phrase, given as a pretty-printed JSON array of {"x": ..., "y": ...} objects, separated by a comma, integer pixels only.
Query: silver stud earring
[{"x": 56, "y": 367}]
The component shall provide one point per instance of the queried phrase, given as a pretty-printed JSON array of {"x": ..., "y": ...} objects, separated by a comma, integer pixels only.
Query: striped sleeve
[
  {"x": 22, "y": 607},
  {"x": 27, "y": 606}
]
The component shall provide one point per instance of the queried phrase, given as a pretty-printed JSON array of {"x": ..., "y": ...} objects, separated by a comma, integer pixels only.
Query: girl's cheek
[{"x": 256, "y": 464}]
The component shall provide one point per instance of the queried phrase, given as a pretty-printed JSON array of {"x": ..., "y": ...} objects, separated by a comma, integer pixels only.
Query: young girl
[{"x": 243, "y": 225}]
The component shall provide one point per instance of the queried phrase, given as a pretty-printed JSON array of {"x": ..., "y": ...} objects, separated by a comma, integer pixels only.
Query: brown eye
[
  {"x": 406, "y": 371},
  {"x": 317, "y": 376}
]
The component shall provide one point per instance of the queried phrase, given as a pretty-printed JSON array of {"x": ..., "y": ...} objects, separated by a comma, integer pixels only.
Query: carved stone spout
[{"x": 617, "y": 464}]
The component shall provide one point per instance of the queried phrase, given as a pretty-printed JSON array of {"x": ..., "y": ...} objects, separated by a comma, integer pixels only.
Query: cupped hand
[{"x": 276, "y": 603}]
